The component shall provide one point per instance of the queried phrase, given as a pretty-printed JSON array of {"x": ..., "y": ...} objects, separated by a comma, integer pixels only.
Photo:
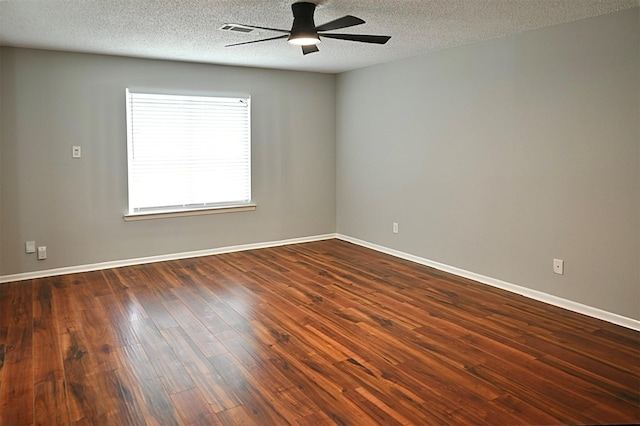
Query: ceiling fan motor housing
[{"x": 303, "y": 30}]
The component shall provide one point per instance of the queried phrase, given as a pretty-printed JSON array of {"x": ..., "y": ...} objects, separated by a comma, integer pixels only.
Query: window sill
[{"x": 194, "y": 212}]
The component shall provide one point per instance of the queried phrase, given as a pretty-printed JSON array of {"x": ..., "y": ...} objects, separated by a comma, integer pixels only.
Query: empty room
[{"x": 333, "y": 212}]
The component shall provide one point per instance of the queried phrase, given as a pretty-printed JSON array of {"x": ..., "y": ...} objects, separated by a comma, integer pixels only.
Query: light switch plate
[
  {"x": 30, "y": 247},
  {"x": 76, "y": 152}
]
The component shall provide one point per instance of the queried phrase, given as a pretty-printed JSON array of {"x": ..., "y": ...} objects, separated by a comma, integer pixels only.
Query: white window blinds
[{"x": 187, "y": 152}]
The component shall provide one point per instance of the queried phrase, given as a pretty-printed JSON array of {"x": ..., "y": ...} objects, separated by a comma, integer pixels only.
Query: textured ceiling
[{"x": 189, "y": 30}]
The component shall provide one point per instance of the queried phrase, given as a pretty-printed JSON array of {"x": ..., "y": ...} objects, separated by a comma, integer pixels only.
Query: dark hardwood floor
[{"x": 310, "y": 334}]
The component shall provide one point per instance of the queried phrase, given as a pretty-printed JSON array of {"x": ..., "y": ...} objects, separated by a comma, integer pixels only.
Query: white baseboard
[
  {"x": 513, "y": 288},
  {"x": 160, "y": 258}
]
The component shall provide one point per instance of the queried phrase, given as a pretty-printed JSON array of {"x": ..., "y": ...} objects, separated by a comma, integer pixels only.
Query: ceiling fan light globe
[{"x": 304, "y": 40}]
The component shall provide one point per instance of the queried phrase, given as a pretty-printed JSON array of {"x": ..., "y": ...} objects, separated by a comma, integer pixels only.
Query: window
[{"x": 187, "y": 153}]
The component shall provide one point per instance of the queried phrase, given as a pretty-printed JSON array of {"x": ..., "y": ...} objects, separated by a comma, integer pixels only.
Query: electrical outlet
[
  {"x": 30, "y": 247},
  {"x": 395, "y": 227},
  {"x": 558, "y": 266},
  {"x": 42, "y": 252},
  {"x": 76, "y": 152}
]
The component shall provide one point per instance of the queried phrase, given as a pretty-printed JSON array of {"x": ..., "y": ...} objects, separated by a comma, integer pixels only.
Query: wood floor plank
[
  {"x": 208, "y": 380},
  {"x": 47, "y": 354},
  {"x": 257, "y": 404},
  {"x": 17, "y": 392},
  {"x": 5, "y": 315},
  {"x": 168, "y": 367},
  {"x": 321, "y": 333},
  {"x": 401, "y": 404},
  {"x": 327, "y": 397},
  {"x": 201, "y": 309},
  {"x": 151, "y": 302},
  {"x": 612, "y": 381},
  {"x": 206, "y": 341},
  {"x": 120, "y": 318},
  {"x": 193, "y": 409},
  {"x": 100, "y": 338},
  {"x": 67, "y": 304},
  {"x": 126, "y": 405},
  {"x": 239, "y": 416},
  {"x": 50, "y": 403},
  {"x": 146, "y": 387},
  {"x": 82, "y": 387}
]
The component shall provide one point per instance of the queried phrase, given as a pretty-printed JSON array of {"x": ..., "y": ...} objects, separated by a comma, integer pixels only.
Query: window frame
[{"x": 184, "y": 210}]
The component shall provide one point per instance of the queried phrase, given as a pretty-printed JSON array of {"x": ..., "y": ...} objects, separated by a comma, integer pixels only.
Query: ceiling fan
[{"x": 304, "y": 32}]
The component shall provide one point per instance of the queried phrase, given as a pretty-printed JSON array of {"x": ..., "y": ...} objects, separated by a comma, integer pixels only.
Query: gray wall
[
  {"x": 494, "y": 158},
  {"x": 51, "y": 101},
  {"x": 497, "y": 157}
]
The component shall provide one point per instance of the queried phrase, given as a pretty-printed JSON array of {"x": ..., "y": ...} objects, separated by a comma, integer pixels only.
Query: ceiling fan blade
[
  {"x": 376, "y": 39},
  {"x": 344, "y": 22},
  {"x": 309, "y": 49},
  {"x": 280, "y": 30},
  {"x": 257, "y": 41}
]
